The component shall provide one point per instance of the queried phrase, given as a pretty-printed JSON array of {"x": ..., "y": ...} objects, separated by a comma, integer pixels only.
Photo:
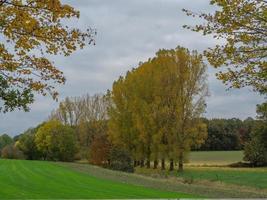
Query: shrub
[
  {"x": 121, "y": 160},
  {"x": 5, "y": 140}
]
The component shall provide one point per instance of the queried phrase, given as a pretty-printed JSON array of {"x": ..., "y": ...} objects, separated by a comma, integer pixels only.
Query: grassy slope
[
  {"x": 37, "y": 179},
  {"x": 214, "y": 157},
  {"x": 214, "y": 189}
]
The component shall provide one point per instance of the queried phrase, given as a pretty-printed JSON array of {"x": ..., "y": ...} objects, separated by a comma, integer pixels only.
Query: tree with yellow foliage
[
  {"x": 157, "y": 108},
  {"x": 30, "y": 30},
  {"x": 242, "y": 24}
]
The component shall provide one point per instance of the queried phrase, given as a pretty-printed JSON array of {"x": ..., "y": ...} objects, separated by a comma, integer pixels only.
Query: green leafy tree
[
  {"x": 121, "y": 160},
  {"x": 224, "y": 134},
  {"x": 30, "y": 31},
  {"x": 56, "y": 141},
  {"x": 262, "y": 111},
  {"x": 26, "y": 144},
  {"x": 5, "y": 140},
  {"x": 256, "y": 149},
  {"x": 242, "y": 24}
]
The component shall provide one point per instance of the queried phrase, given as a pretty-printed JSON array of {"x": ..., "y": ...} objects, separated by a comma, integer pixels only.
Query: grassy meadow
[
  {"x": 209, "y": 168},
  {"x": 214, "y": 158},
  {"x": 20, "y": 179},
  {"x": 57, "y": 180},
  {"x": 203, "y": 186}
]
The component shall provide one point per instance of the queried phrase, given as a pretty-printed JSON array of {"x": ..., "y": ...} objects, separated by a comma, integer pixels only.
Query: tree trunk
[
  {"x": 148, "y": 163},
  {"x": 163, "y": 164},
  {"x": 171, "y": 165},
  {"x": 156, "y": 164},
  {"x": 142, "y": 164},
  {"x": 135, "y": 163},
  {"x": 181, "y": 162}
]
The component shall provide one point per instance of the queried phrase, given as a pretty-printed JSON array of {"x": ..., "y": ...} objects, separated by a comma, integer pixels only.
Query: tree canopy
[
  {"x": 156, "y": 108},
  {"x": 56, "y": 141},
  {"x": 30, "y": 31},
  {"x": 242, "y": 24}
]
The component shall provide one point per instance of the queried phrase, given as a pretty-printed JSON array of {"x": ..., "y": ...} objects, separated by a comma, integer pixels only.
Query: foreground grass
[
  {"x": 163, "y": 181},
  {"x": 214, "y": 157},
  {"x": 46, "y": 180}
]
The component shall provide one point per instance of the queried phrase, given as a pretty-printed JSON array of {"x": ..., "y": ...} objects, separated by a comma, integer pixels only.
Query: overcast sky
[{"x": 130, "y": 32}]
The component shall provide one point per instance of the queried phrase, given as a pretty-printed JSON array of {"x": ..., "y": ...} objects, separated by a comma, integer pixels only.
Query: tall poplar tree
[{"x": 156, "y": 108}]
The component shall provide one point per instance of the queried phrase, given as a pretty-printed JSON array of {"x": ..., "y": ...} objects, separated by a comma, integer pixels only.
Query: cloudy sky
[{"x": 130, "y": 32}]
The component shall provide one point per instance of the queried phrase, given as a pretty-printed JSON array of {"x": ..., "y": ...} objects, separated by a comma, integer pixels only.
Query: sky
[{"x": 129, "y": 32}]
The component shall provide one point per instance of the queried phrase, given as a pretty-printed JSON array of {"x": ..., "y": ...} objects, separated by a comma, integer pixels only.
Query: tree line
[{"x": 154, "y": 114}]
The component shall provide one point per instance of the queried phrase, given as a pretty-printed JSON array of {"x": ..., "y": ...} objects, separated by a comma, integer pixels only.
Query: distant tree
[
  {"x": 69, "y": 112},
  {"x": 88, "y": 131},
  {"x": 87, "y": 115},
  {"x": 245, "y": 131},
  {"x": 224, "y": 134},
  {"x": 26, "y": 144},
  {"x": 262, "y": 111},
  {"x": 5, "y": 140},
  {"x": 99, "y": 151},
  {"x": 242, "y": 25},
  {"x": 56, "y": 141},
  {"x": 87, "y": 108},
  {"x": 11, "y": 152},
  {"x": 30, "y": 31}
]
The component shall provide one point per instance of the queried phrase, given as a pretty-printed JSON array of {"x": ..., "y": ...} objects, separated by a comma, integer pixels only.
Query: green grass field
[
  {"x": 254, "y": 178},
  {"x": 232, "y": 183},
  {"x": 46, "y": 180},
  {"x": 49, "y": 180},
  {"x": 209, "y": 168},
  {"x": 214, "y": 158}
]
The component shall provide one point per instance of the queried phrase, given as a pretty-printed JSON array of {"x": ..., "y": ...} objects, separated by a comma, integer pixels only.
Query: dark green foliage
[
  {"x": 27, "y": 144},
  {"x": 121, "y": 160},
  {"x": 56, "y": 141},
  {"x": 227, "y": 134},
  {"x": 262, "y": 111},
  {"x": 14, "y": 97},
  {"x": 256, "y": 149},
  {"x": 5, "y": 140}
]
